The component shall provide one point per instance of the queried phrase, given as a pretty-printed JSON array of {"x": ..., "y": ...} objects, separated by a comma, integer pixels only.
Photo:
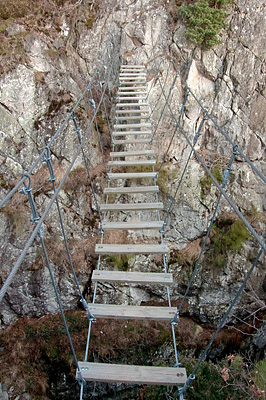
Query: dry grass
[{"x": 34, "y": 349}]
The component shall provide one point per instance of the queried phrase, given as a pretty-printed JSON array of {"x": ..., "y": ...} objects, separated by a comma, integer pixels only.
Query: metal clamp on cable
[
  {"x": 229, "y": 167},
  {"x": 101, "y": 230},
  {"x": 86, "y": 308},
  {"x": 73, "y": 116},
  {"x": 182, "y": 390},
  {"x": 235, "y": 150},
  {"x": 80, "y": 379},
  {"x": 92, "y": 102},
  {"x": 27, "y": 189},
  {"x": 174, "y": 321},
  {"x": 99, "y": 80},
  {"x": 47, "y": 159}
]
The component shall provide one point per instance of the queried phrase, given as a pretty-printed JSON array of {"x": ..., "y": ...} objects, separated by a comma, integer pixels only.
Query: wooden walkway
[{"x": 132, "y": 149}]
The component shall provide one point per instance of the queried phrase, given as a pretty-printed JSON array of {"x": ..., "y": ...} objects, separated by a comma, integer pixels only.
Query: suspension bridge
[{"x": 132, "y": 134}]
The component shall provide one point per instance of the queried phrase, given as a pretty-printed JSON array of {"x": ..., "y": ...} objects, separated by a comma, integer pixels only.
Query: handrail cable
[
  {"x": 40, "y": 157},
  {"x": 29, "y": 242},
  {"x": 172, "y": 322},
  {"x": 219, "y": 128},
  {"x": 92, "y": 103},
  {"x": 27, "y": 190},
  {"x": 232, "y": 204},
  {"x": 87, "y": 167},
  {"x": 225, "y": 181},
  {"x": 223, "y": 321},
  {"x": 197, "y": 135},
  {"x": 52, "y": 179},
  {"x": 168, "y": 96},
  {"x": 157, "y": 74}
]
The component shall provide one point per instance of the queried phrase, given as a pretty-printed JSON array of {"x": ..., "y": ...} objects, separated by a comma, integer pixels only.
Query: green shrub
[
  {"x": 227, "y": 235},
  {"x": 119, "y": 261},
  {"x": 260, "y": 375},
  {"x": 236, "y": 236},
  {"x": 206, "y": 181},
  {"x": 205, "y": 20}
]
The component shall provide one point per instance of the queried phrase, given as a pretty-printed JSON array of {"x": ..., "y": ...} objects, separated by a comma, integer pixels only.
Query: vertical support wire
[
  {"x": 27, "y": 190},
  {"x": 87, "y": 167},
  {"x": 225, "y": 181},
  {"x": 157, "y": 75},
  {"x": 197, "y": 135},
  {"x": 165, "y": 104},
  {"x": 172, "y": 322},
  {"x": 223, "y": 321},
  {"x": 52, "y": 179},
  {"x": 101, "y": 229}
]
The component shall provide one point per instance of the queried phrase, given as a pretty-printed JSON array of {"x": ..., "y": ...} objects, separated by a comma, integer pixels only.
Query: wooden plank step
[
  {"x": 133, "y": 277},
  {"x": 114, "y": 154},
  {"x": 132, "y": 312},
  {"x": 131, "y": 206},
  {"x": 127, "y": 73},
  {"x": 131, "y": 105},
  {"x": 131, "y": 93},
  {"x": 124, "y": 133},
  {"x": 139, "y": 83},
  {"x": 110, "y": 226},
  {"x": 129, "y": 118},
  {"x": 133, "y": 66},
  {"x": 132, "y": 111},
  {"x": 132, "y": 175},
  {"x": 131, "y": 249},
  {"x": 138, "y": 70},
  {"x": 131, "y": 88},
  {"x": 125, "y": 98},
  {"x": 133, "y": 75},
  {"x": 130, "y": 163},
  {"x": 131, "y": 141},
  {"x": 132, "y": 374},
  {"x": 139, "y": 125},
  {"x": 131, "y": 189},
  {"x": 133, "y": 78}
]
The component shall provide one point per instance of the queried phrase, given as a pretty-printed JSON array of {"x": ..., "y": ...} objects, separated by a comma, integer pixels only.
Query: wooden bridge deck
[{"x": 132, "y": 97}]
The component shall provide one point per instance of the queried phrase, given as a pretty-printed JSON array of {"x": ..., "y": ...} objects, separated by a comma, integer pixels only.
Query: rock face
[
  {"x": 40, "y": 84},
  {"x": 229, "y": 81}
]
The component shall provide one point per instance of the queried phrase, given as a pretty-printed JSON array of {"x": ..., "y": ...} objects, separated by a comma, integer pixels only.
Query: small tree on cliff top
[{"x": 205, "y": 20}]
